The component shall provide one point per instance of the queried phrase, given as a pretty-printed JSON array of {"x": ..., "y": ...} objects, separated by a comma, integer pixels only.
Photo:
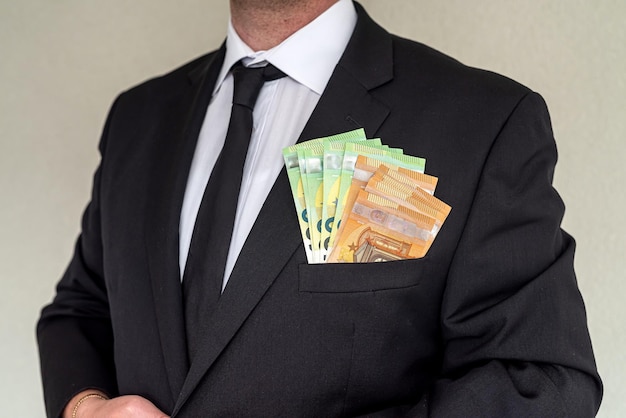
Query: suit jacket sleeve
[
  {"x": 74, "y": 331},
  {"x": 513, "y": 321}
]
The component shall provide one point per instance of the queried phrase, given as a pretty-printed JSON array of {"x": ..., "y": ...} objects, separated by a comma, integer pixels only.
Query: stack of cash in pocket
[{"x": 358, "y": 200}]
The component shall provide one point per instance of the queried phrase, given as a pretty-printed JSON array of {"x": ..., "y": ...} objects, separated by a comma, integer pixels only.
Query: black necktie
[{"x": 210, "y": 242}]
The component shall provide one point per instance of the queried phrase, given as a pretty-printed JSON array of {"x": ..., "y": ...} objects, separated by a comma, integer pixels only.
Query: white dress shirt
[{"x": 308, "y": 58}]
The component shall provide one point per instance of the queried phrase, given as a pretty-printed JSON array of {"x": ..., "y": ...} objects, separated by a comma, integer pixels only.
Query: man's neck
[{"x": 263, "y": 24}]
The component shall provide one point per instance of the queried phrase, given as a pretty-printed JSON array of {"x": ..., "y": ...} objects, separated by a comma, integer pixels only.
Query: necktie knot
[{"x": 249, "y": 80}]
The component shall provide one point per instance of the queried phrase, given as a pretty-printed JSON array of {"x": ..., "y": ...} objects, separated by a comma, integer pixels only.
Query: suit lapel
[
  {"x": 345, "y": 105},
  {"x": 174, "y": 151}
]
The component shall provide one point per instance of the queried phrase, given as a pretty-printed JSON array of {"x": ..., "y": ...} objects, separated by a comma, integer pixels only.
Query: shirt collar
[{"x": 309, "y": 56}]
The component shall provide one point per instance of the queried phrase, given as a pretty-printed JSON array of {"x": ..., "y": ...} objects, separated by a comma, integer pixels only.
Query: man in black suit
[{"x": 489, "y": 323}]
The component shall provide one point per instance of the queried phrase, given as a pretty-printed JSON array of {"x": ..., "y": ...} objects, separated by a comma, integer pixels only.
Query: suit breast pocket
[{"x": 360, "y": 277}]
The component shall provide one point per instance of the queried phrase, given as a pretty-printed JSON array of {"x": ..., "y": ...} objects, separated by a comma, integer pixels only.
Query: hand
[{"x": 120, "y": 407}]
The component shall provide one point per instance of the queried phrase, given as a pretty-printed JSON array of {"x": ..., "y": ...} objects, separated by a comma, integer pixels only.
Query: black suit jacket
[{"x": 489, "y": 323}]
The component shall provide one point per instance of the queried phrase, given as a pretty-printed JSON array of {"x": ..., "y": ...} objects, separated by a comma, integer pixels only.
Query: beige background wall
[{"x": 62, "y": 62}]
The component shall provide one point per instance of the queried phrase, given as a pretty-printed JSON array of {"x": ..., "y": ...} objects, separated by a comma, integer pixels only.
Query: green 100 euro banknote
[{"x": 295, "y": 163}]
